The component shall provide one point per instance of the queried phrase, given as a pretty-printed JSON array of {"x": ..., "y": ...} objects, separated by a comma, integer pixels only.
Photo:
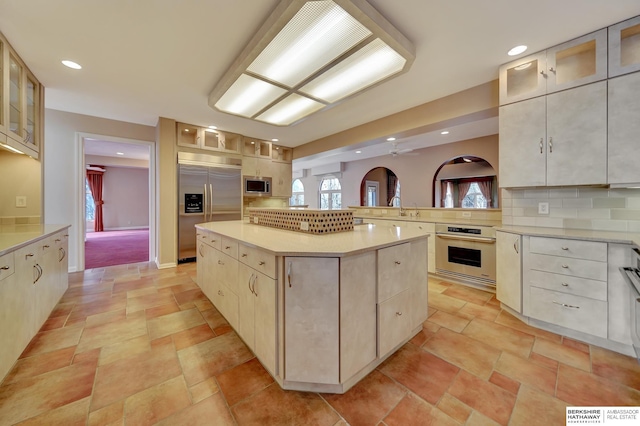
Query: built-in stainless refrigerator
[{"x": 209, "y": 190}]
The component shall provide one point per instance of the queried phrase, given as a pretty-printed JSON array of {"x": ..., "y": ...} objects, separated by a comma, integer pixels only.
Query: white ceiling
[{"x": 146, "y": 59}]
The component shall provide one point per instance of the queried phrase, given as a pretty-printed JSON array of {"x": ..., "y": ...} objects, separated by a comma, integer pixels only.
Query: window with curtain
[
  {"x": 330, "y": 194},
  {"x": 475, "y": 193},
  {"x": 297, "y": 193},
  {"x": 89, "y": 203}
]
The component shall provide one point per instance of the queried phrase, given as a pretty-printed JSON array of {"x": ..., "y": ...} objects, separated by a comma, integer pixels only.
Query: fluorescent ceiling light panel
[
  {"x": 290, "y": 110},
  {"x": 373, "y": 63},
  {"x": 308, "y": 55},
  {"x": 319, "y": 33}
]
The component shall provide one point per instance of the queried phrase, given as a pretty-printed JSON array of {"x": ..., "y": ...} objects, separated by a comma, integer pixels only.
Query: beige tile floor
[{"x": 139, "y": 346}]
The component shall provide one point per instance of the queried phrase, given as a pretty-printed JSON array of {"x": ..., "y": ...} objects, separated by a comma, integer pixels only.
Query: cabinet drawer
[
  {"x": 227, "y": 303},
  {"x": 394, "y": 321},
  {"x": 566, "y": 310},
  {"x": 7, "y": 265},
  {"x": 258, "y": 259},
  {"x": 210, "y": 238},
  {"x": 229, "y": 247},
  {"x": 567, "y": 266},
  {"x": 588, "y": 250},
  {"x": 393, "y": 270},
  {"x": 567, "y": 284}
]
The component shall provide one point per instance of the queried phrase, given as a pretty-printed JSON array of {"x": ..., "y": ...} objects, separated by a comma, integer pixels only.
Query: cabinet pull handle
[
  {"x": 4, "y": 268},
  {"x": 542, "y": 72},
  {"x": 38, "y": 269},
  {"x": 58, "y": 240},
  {"x": 289, "y": 274},
  {"x": 249, "y": 283},
  {"x": 552, "y": 70},
  {"x": 220, "y": 262},
  {"x": 564, "y": 248},
  {"x": 565, "y": 266},
  {"x": 515, "y": 245},
  {"x": 243, "y": 255},
  {"x": 399, "y": 314},
  {"x": 46, "y": 246},
  {"x": 565, "y": 285},
  {"x": 254, "y": 285},
  {"x": 200, "y": 251},
  {"x": 28, "y": 255},
  {"x": 541, "y": 145},
  {"x": 261, "y": 262},
  {"x": 566, "y": 306},
  {"x": 213, "y": 241},
  {"x": 227, "y": 247},
  {"x": 550, "y": 144},
  {"x": 63, "y": 254},
  {"x": 398, "y": 262}
]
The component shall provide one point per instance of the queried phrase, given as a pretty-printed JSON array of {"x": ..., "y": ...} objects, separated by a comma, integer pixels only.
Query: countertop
[
  {"x": 291, "y": 243},
  {"x": 470, "y": 222},
  {"x": 13, "y": 237},
  {"x": 577, "y": 234}
]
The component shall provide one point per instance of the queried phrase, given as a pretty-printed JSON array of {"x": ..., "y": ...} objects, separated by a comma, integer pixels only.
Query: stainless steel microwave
[{"x": 257, "y": 186}]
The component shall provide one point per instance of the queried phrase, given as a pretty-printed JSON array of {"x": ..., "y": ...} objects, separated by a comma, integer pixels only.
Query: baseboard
[{"x": 165, "y": 265}]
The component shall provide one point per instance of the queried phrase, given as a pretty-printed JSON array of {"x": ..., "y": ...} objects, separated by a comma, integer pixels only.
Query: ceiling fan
[{"x": 395, "y": 151}]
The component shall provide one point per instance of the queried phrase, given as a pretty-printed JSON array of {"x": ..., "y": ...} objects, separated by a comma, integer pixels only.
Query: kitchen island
[{"x": 319, "y": 311}]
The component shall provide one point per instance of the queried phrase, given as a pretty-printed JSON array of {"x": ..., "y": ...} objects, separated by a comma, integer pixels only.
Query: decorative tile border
[{"x": 304, "y": 220}]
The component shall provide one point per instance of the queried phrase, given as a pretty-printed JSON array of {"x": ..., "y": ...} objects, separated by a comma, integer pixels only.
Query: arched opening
[
  {"x": 465, "y": 182},
  {"x": 380, "y": 187}
]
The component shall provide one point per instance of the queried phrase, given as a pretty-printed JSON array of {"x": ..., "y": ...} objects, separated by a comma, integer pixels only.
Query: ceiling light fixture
[
  {"x": 517, "y": 50},
  {"x": 309, "y": 55},
  {"x": 444, "y": 132},
  {"x": 466, "y": 160},
  {"x": 391, "y": 139},
  {"x": 274, "y": 140},
  {"x": 71, "y": 64},
  {"x": 213, "y": 127},
  {"x": 119, "y": 153},
  {"x": 358, "y": 152}
]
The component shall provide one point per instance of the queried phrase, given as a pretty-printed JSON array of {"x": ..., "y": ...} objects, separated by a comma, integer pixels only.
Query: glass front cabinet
[
  {"x": 21, "y": 103},
  {"x": 624, "y": 47}
]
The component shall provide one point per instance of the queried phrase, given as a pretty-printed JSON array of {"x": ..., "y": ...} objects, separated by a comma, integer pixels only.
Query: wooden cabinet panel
[
  {"x": 578, "y": 286},
  {"x": 567, "y": 266},
  {"x": 509, "y": 269},
  {"x": 624, "y": 128},
  {"x": 418, "y": 282},
  {"x": 578, "y": 249},
  {"x": 624, "y": 47},
  {"x": 523, "y": 78},
  {"x": 258, "y": 259},
  {"x": 246, "y": 305},
  {"x": 311, "y": 302},
  {"x": 394, "y": 322},
  {"x": 393, "y": 270},
  {"x": 264, "y": 289}
]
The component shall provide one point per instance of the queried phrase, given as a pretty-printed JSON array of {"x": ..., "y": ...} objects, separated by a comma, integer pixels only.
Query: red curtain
[
  {"x": 94, "y": 177},
  {"x": 485, "y": 188}
]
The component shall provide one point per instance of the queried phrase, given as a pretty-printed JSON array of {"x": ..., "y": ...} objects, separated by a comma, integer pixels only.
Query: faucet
[
  {"x": 402, "y": 213},
  {"x": 417, "y": 214}
]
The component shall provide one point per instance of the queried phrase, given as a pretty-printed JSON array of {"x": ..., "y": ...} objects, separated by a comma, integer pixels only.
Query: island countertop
[
  {"x": 291, "y": 243},
  {"x": 13, "y": 237}
]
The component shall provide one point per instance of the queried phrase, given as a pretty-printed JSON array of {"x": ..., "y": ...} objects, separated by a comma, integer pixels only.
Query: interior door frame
[
  {"x": 80, "y": 177},
  {"x": 372, "y": 183}
]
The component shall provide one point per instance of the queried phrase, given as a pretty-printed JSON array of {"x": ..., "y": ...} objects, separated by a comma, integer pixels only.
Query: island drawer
[
  {"x": 568, "y": 266},
  {"x": 229, "y": 247},
  {"x": 209, "y": 238},
  {"x": 570, "y": 311},
  {"x": 593, "y": 289},
  {"x": 588, "y": 250},
  {"x": 394, "y": 321},
  {"x": 7, "y": 265},
  {"x": 257, "y": 259},
  {"x": 394, "y": 267}
]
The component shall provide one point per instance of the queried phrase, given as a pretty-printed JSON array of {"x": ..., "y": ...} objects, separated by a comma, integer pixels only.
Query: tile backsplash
[
  {"x": 19, "y": 220},
  {"x": 601, "y": 209}
]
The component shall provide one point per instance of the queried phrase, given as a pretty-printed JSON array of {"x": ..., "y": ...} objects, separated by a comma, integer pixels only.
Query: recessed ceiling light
[
  {"x": 274, "y": 140},
  {"x": 119, "y": 153},
  {"x": 213, "y": 127},
  {"x": 71, "y": 64},
  {"x": 358, "y": 152},
  {"x": 391, "y": 139},
  {"x": 466, "y": 160},
  {"x": 253, "y": 142},
  {"x": 444, "y": 132},
  {"x": 517, "y": 50}
]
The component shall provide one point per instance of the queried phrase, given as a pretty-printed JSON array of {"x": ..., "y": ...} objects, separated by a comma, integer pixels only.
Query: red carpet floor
[{"x": 116, "y": 248}]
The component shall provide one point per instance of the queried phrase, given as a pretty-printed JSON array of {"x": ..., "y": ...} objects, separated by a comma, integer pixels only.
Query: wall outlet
[
  {"x": 466, "y": 214},
  {"x": 543, "y": 208},
  {"x": 21, "y": 201},
  {"x": 255, "y": 219},
  {"x": 304, "y": 226}
]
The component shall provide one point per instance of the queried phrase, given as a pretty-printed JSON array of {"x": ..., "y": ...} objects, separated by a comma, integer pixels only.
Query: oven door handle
[{"x": 471, "y": 239}]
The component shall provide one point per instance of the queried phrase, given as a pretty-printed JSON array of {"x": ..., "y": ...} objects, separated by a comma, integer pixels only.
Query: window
[
  {"x": 90, "y": 205},
  {"x": 448, "y": 197},
  {"x": 330, "y": 194},
  {"x": 396, "y": 195},
  {"x": 297, "y": 193},
  {"x": 474, "y": 198}
]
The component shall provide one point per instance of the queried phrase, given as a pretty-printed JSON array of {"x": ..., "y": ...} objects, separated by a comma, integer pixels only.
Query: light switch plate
[
  {"x": 543, "y": 208},
  {"x": 304, "y": 226},
  {"x": 21, "y": 201}
]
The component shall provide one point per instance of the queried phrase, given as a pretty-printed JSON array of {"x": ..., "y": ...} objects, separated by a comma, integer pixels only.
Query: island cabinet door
[{"x": 311, "y": 297}]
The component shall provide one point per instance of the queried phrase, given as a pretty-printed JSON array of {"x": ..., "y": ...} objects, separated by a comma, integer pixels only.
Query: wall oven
[
  {"x": 467, "y": 254},
  {"x": 631, "y": 275}
]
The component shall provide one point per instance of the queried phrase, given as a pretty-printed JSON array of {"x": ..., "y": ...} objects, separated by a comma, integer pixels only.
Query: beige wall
[
  {"x": 61, "y": 168},
  {"x": 167, "y": 184},
  {"x": 126, "y": 198},
  {"x": 415, "y": 173},
  {"x": 20, "y": 175}
]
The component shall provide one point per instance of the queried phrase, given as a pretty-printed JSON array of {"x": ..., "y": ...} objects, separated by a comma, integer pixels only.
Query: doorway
[{"x": 128, "y": 230}]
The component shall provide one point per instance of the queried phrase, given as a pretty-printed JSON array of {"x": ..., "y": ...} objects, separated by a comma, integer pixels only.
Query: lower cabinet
[
  {"x": 35, "y": 278},
  {"x": 509, "y": 270}
]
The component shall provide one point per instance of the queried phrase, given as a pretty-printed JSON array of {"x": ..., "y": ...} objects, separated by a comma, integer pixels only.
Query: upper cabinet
[
  {"x": 574, "y": 63},
  {"x": 256, "y": 148},
  {"x": 281, "y": 154},
  {"x": 21, "y": 104},
  {"x": 624, "y": 47},
  {"x": 192, "y": 136}
]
